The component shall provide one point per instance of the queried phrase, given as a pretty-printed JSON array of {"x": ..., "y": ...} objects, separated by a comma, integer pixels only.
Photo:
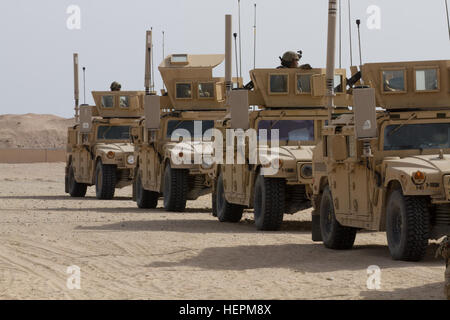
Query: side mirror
[{"x": 239, "y": 109}]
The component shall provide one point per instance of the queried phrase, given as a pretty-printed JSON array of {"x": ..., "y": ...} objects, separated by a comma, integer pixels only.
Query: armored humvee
[
  {"x": 168, "y": 165},
  {"x": 99, "y": 149},
  {"x": 290, "y": 101},
  {"x": 387, "y": 169}
]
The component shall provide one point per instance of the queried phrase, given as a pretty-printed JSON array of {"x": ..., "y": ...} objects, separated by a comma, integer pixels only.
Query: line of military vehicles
[{"x": 368, "y": 152}]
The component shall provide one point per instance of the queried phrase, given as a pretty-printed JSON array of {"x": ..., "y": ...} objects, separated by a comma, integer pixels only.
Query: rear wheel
[
  {"x": 407, "y": 226},
  {"x": 105, "y": 181},
  {"x": 145, "y": 199},
  {"x": 334, "y": 235},
  {"x": 76, "y": 190},
  {"x": 175, "y": 189},
  {"x": 269, "y": 203},
  {"x": 226, "y": 212}
]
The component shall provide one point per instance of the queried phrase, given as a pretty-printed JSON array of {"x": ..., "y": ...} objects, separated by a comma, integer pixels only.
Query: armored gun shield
[{"x": 152, "y": 108}]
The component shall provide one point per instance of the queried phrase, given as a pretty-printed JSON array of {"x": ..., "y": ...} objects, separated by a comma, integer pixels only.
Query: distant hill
[{"x": 33, "y": 131}]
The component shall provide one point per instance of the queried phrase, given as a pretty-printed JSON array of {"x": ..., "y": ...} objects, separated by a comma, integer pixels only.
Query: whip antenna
[
  {"x": 84, "y": 84},
  {"x": 235, "y": 48},
  {"x": 148, "y": 62},
  {"x": 358, "y": 23},
  {"x": 350, "y": 32},
  {"x": 163, "y": 51},
  {"x": 448, "y": 19},
  {"x": 254, "y": 42},
  {"x": 240, "y": 40},
  {"x": 153, "y": 69},
  {"x": 76, "y": 85},
  {"x": 340, "y": 35}
]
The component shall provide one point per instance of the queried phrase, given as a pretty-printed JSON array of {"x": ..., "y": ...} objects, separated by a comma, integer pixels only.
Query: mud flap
[{"x": 316, "y": 233}]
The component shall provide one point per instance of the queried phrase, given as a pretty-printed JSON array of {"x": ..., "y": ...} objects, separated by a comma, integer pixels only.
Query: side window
[
  {"x": 183, "y": 91},
  {"x": 427, "y": 79},
  {"x": 108, "y": 101},
  {"x": 206, "y": 90},
  {"x": 303, "y": 83},
  {"x": 278, "y": 83},
  {"x": 393, "y": 81},
  {"x": 124, "y": 102}
]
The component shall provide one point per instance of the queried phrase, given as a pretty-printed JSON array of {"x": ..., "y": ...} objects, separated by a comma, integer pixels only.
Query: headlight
[
  {"x": 130, "y": 159},
  {"x": 418, "y": 177},
  {"x": 306, "y": 171}
]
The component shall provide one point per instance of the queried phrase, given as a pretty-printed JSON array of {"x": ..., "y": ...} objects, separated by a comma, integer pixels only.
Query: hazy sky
[{"x": 36, "y": 46}]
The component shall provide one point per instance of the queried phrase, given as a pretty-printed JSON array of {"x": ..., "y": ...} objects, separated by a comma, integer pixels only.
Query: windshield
[
  {"x": 417, "y": 136},
  {"x": 196, "y": 128},
  {"x": 291, "y": 130},
  {"x": 113, "y": 133}
]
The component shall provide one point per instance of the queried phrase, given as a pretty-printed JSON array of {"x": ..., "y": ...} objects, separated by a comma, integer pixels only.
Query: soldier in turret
[
  {"x": 115, "y": 86},
  {"x": 290, "y": 59}
]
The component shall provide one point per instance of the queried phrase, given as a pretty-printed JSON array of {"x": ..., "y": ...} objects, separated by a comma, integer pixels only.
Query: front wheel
[
  {"x": 269, "y": 203},
  {"x": 334, "y": 235},
  {"x": 105, "y": 181},
  {"x": 76, "y": 190},
  {"x": 407, "y": 226},
  {"x": 226, "y": 211},
  {"x": 145, "y": 199},
  {"x": 175, "y": 189}
]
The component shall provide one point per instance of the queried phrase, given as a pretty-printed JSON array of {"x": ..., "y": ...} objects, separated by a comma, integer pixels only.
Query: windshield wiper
[{"x": 402, "y": 125}]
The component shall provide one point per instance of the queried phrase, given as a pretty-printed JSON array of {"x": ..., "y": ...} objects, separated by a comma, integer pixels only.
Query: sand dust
[
  {"x": 33, "y": 131},
  {"x": 127, "y": 253}
]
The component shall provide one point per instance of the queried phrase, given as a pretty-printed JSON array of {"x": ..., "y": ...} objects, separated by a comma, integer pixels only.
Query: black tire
[
  {"x": 226, "y": 212},
  {"x": 175, "y": 189},
  {"x": 407, "y": 226},
  {"x": 105, "y": 181},
  {"x": 145, "y": 199},
  {"x": 334, "y": 235},
  {"x": 269, "y": 203},
  {"x": 76, "y": 190}
]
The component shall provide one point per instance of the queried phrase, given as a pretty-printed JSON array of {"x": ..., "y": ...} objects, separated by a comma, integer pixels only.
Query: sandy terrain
[
  {"x": 126, "y": 253},
  {"x": 33, "y": 131}
]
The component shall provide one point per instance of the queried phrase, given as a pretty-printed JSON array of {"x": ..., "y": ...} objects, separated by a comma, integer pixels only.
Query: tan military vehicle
[
  {"x": 166, "y": 164},
  {"x": 99, "y": 149},
  {"x": 274, "y": 176},
  {"x": 388, "y": 170},
  {"x": 290, "y": 101}
]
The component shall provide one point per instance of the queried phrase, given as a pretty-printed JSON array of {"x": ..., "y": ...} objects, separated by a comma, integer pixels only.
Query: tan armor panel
[
  {"x": 85, "y": 118},
  {"x": 364, "y": 109},
  {"x": 239, "y": 109},
  {"x": 152, "y": 112}
]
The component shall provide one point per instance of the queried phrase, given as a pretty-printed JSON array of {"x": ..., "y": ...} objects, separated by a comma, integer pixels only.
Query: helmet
[
  {"x": 290, "y": 56},
  {"x": 115, "y": 86}
]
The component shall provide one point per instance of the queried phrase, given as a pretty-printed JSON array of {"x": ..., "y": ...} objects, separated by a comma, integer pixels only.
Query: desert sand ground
[{"x": 127, "y": 253}]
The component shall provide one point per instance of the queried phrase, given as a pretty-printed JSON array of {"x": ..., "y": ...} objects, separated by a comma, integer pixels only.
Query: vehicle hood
[
  {"x": 115, "y": 147},
  {"x": 425, "y": 163}
]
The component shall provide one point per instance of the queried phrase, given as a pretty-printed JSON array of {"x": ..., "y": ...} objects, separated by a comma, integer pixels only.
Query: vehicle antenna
[
  {"x": 254, "y": 42},
  {"x": 340, "y": 34},
  {"x": 235, "y": 47},
  {"x": 331, "y": 47},
  {"x": 84, "y": 84},
  {"x": 240, "y": 39},
  {"x": 148, "y": 53},
  {"x": 163, "y": 52},
  {"x": 358, "y": 23},
  {"x": 448, "y": 19},
  {"x": 153, "y": 69},
  {"x": 76, "y": 86},
  {"x": 350, "y": 31}
]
